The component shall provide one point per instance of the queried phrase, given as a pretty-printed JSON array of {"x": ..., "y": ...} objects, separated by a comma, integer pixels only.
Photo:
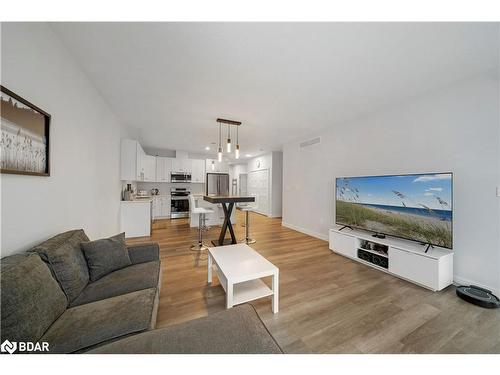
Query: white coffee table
[{"x": 239, "y": 269}]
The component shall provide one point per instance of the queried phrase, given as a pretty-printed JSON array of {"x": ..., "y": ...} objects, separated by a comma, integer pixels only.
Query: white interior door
[{"x": 258, "y": 184}]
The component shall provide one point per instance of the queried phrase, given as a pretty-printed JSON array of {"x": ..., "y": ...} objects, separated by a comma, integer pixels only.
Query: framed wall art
[{"x": 25, "y": 130}]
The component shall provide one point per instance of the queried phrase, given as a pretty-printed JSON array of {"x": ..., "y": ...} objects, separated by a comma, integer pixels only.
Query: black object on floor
[{"x": 478, "y": 296}]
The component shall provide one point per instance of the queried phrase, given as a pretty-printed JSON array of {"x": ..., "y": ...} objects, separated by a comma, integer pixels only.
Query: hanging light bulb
[
  {"x": 237, "y": 149},
  {"x": 219, "y": 153},
  {"x": 229, "y": 138}
]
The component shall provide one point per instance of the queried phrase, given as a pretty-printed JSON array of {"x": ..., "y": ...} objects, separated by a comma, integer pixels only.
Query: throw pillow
[
  {"x": 65, "y": 259},
  {"x": 106, "y": 255}
]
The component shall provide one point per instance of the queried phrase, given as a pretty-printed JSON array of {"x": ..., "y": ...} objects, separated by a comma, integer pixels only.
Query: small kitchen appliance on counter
[{"x": 128, "y": 194}]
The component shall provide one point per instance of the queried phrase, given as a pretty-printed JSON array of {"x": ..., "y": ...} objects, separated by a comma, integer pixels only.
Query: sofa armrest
[{"x": 142, "y": 253}]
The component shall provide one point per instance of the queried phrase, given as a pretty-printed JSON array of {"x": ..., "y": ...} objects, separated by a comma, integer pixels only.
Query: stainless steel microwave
[{"x": 180, "y": 177}]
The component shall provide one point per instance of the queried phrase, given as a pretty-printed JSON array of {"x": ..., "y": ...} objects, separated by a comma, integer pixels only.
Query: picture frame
[{"x": 25, "y": 136}]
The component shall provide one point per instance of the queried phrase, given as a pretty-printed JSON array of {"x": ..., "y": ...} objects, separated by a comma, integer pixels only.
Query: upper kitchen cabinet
[
  {"x": 131, "y": 163},
  {"x": 149, "y": 168},
  {"x": 213, "y": 165},
  {"x": 198, "y": 171},
  {"x": 135, "y": 165},
  {"x": 163, "y": 169},
  {"x": 182, "y": 165}
]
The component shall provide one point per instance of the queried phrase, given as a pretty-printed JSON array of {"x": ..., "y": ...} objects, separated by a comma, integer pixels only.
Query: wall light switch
[{"x": 498, "y": 191}]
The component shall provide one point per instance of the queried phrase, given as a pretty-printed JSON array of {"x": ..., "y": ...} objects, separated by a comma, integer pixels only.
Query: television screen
[{"x": 417, "y": 207}]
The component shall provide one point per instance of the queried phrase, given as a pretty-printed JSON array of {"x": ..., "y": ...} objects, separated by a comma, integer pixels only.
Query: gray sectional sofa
[
  {"x": 235, "y": 331},
  {"x": 47, "y": 296}
]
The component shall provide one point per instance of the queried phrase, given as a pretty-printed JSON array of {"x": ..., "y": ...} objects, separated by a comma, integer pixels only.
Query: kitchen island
[{"x": 227, "y": 202}]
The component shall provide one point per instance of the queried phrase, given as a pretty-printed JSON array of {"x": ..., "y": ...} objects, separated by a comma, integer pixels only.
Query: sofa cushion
[
  {"x": 30, "y": 297},
  {"x": 88, "y": 325},
  {"x": 106, "y": 255},
  {"x": 129, "y": 279},
  {"x": 66, "y": 261},
  {"x": 144, "y": 252},
  {"x": 235, "y": 331}
]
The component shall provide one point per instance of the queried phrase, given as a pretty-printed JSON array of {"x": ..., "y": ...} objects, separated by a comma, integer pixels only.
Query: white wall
[
  {"x": 455, "y": 129},
  {"x": 277, "y": 184},
  {"x": 83, "y": 190}
]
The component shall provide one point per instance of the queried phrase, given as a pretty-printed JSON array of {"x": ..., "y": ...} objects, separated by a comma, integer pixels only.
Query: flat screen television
[{"x": 417, "y": 207}]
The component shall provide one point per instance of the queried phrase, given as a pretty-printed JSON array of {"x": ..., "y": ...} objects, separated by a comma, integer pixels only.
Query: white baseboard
[
  {"x": 323, "y": 237},
  {"x": 457, "y": 280}
]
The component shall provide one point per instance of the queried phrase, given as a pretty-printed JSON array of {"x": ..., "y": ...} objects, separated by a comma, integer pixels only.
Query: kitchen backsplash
[{"x": 164, "y": 187}]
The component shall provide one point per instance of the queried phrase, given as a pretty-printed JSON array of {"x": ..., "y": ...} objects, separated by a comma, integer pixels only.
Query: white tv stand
[{"x": 407, "y": 259}]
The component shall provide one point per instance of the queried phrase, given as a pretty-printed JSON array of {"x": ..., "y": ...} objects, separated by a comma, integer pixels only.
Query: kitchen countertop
[{"x": 140, "y": 200}]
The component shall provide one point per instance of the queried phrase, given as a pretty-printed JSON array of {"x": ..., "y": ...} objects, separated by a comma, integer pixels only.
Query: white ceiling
[{"x": 168, "y": 82}]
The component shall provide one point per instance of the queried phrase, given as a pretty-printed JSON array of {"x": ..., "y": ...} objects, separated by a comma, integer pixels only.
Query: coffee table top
[{"x": 241, "y": 263}]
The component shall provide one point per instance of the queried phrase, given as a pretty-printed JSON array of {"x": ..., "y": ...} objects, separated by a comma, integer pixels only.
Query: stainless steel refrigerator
[{"x": 217, "y": 184}]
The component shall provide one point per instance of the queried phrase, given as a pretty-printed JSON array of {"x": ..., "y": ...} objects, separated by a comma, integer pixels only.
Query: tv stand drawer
[
  {"x": 417, "y": 268},
  {"x": 343, "y": 244}
]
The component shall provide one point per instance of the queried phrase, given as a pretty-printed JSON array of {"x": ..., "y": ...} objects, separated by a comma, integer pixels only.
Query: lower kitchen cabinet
[
  {"x": 135, "y": 218},
  {"x": 161, "y": 207}
]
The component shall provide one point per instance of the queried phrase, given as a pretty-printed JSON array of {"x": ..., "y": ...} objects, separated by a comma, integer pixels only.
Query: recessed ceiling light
[
  {"x": 248, "y": 155},
  {"x": 207, "y": 148}
]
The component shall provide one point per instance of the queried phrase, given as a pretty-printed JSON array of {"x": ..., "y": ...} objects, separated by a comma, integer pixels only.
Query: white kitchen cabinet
[
  {"x": 135, "y": 218},
  {"x": 156, "y": 207},
  {"x": 149, "y": 168},
  {"x": 198, "y": 171},
  {"x": 161, "y": 207},
  {"x": 132, "y": 161},
  {"x": 213, "y": 165},
  {"x": 182, "y": 165},
  {"x": 141, "y": 163},
  {"x": 163, "y": 169},
  {"x": 165, "y": 206}
]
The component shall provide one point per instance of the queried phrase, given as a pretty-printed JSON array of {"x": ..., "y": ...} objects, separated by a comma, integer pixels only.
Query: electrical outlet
[{"x": 498, "y": 191}]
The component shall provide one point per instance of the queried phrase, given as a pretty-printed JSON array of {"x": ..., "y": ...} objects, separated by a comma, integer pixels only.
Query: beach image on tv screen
[{"x": 416, "y": 207}]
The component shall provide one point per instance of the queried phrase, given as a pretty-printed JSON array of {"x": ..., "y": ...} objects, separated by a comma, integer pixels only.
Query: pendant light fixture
[
  {"x": 219, "y": 154},
  {"x": 228, "y": 144},
  {"x": 228, "y": 138},
  {"x": 237, "y": 149}
]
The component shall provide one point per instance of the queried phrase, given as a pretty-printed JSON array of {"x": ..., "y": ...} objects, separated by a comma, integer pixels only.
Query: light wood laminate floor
[{"x": 328, "y": 303}]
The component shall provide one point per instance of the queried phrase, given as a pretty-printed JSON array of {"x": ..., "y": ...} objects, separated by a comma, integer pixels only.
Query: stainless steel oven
[
  {"x": 179, "y": 202},
  {"x": 180, "y": 177}
]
